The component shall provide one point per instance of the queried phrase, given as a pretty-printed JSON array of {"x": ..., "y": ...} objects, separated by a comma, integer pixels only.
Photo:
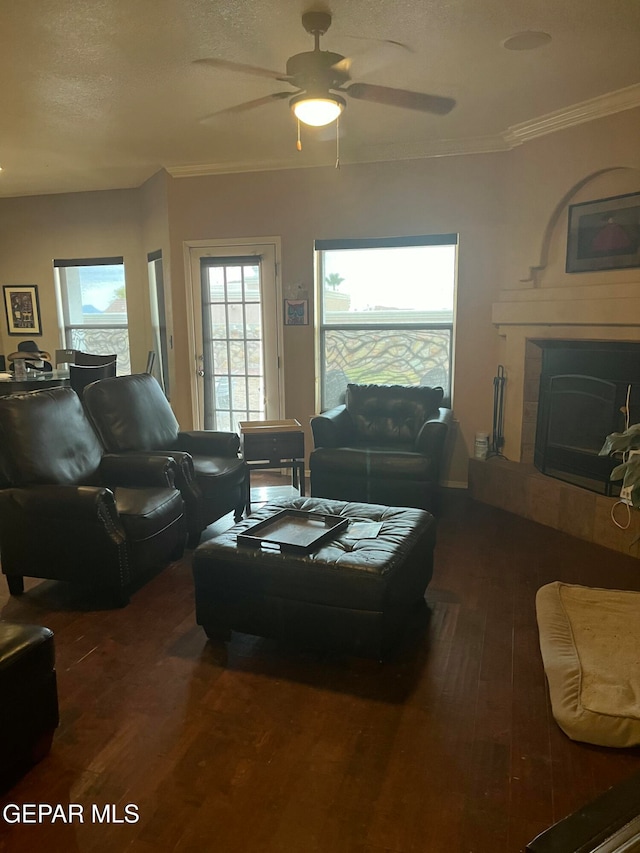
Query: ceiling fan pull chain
[
  {"x": 338, "y": 142},
  {"x": 299, "y": 143}
]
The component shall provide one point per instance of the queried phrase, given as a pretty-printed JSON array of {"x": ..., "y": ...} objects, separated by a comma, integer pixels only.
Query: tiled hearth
[{"x": 520, "y": 488}]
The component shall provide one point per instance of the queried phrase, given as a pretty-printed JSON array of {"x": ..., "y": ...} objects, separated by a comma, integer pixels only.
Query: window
[
  {"x": 386, "y": 311},
  {"x": 93, "y": 304}
]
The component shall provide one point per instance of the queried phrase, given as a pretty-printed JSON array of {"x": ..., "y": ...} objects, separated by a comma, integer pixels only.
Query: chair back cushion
[
  {"x": 81, "y": 375},
  {"x": 390, "y": 414},
  {"x": 131, "y": 413},
  {"x": 88, "y": 359},
  {"x": 47, "y": 439}
]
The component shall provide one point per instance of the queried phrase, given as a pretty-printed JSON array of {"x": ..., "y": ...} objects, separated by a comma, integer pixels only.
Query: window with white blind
[
  {"x": 93, "y": 304},
  {"x": 386, "y": 312}
]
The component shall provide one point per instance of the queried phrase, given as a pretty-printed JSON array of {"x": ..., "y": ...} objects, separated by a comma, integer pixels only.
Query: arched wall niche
[
  {"x": 556, "y": 305},
  {"x": 550, "y": 270}
]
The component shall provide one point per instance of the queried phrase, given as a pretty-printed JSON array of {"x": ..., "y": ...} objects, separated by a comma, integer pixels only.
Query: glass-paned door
[
  {"x": 236, "y": 334},
  {"x": 232, "y": 342}
]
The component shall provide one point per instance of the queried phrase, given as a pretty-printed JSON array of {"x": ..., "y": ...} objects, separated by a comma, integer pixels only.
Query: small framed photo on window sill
[{"x": 23, "y": 309}]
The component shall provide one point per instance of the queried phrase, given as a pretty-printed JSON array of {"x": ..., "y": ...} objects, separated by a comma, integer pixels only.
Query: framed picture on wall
[
  {"x": 296, "y": 312},
  {"x": 604, "y": 234},
  {"x": 23, "y": 309}
]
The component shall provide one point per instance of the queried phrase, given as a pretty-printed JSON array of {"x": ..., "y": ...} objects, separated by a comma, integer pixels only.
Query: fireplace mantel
[
  {"x": 597, "y": 312},
  {"x": 598, "y": 304}
]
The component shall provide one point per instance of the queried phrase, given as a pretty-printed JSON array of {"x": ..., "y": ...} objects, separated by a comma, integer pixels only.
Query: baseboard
[{"x": 454, "y": 484}]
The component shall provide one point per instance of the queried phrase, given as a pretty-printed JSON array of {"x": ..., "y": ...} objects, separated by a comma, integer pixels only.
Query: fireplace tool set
[{"x": 497, "y": 437}]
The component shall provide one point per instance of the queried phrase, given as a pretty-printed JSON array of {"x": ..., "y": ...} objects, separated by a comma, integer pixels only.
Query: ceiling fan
[{"x": 320, "y": 80}]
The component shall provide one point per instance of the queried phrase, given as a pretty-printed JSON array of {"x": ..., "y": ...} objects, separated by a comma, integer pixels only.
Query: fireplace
[
  {"x": 585, "y": 388},
  {"x": 579, "y": 317}
]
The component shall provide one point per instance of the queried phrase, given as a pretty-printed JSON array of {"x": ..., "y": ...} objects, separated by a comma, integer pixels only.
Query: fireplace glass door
[{"x": 574, "y": 418}]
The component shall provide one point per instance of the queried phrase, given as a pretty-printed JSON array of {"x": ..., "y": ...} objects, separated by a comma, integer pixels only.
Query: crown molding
[
  {"x": 603, "y": 105},
  {"x": 371, "y": 154},
  {"x": 434, "y": 148},
  {"x": 515, "y": 135},
  {"x": 202, "y": 169}
]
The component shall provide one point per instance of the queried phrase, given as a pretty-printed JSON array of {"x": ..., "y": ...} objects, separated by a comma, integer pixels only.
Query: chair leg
[
  {"x": 178, "y": 551},
  {"x": 193, "y": 539},
  {"x": 246, "y": 501},
  {"x": 217, "y": 632},
  {"x": 16, "y": 584}
]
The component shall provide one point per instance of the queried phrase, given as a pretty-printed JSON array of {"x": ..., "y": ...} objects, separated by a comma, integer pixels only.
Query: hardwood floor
[{"x": 450, "y": 746}]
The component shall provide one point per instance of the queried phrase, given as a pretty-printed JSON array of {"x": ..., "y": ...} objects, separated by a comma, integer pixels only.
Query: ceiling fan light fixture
[{"x": 317, "y": 110}]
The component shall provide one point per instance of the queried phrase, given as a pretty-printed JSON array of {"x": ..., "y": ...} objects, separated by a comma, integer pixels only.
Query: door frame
[{"x": 227, "y": 248}]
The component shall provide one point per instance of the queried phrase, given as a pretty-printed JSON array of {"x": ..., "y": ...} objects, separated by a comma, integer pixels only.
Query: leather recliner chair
[
  {"x": 132, "y": 414},
  {"x": 70, "y": 512},
  {"x": 384, "y": 445}
]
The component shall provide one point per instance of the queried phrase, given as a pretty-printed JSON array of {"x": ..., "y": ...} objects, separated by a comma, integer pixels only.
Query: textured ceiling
[{"x": 102, "y": 93}]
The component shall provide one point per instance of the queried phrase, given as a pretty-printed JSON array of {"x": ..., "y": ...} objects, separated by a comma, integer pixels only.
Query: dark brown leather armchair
[
  {"x": 132, "y": 414},
  {"x": 384, "y": 445},
  {"x": 70, "y": 512}
]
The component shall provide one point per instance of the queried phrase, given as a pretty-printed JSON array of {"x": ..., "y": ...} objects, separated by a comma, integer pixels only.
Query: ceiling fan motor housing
[
  {"x": 315, "y": 69},
  {"x": 316, "y": 22}
]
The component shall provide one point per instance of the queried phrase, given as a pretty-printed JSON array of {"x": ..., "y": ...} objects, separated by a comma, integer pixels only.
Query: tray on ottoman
[
  {"x": 350, "y": 593},
  {"x": 294, "y": 531}
]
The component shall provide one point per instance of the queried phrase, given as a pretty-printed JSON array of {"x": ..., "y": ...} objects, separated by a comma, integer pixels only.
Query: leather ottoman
[
  {"x": 29, "y": 711},
  {"x": 352, "y": 594}
]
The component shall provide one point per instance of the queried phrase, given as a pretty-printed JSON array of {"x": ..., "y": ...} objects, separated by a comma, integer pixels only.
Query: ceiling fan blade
[
  {"x": 343, "y": 67},
  {"x": 247, "y": 105},
  {"x": 393, "y": 42},
  {"x": 239, "y": 66},
  {"x": 382, "y": 53},
  {"x": 401, "y": 98}
]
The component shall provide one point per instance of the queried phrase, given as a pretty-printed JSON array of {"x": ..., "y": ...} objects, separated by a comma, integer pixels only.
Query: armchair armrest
[
  {"x": 433, "y": 433},
  {"x": 138, "y": 469},
  {"x": 209, "y": 442},
  {"x": 50, "y": 503},
  {"x": 333, "y": 428},
  {"x": 180, "y": 474}
]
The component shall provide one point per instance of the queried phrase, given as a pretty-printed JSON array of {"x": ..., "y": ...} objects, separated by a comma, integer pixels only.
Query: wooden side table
[{"x": 273, "y": 444}]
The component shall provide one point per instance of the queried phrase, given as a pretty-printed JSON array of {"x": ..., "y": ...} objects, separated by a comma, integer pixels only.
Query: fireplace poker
[{"x": 497, "y": 438}]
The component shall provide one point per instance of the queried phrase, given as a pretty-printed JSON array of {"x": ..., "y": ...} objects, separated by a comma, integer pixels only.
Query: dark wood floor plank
[{"x": 448, "y": 746}]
